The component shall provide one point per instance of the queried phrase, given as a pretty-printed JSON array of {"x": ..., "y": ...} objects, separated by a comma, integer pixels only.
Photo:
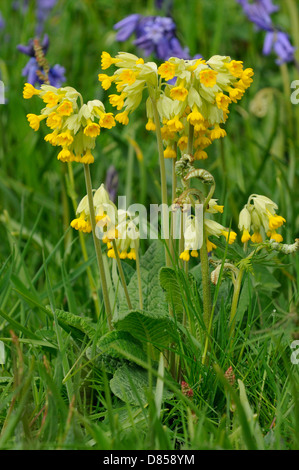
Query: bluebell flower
[
  {"x": 154, "y": 35},
  {"x": 111, "y": 182},
  {"x": 2, "y": 22},
  {"x": 259, "y": 12},
  {"x": 56, "y": 73},
  {"x": 43, "y": 9}
]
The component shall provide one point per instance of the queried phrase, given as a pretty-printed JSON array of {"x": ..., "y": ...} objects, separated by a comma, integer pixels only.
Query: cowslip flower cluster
[
  {"x": 259, "y": 215},
  {"x": 112, "y": 224},
  {"x": 74, "y": 126},
  {"x": 104, "y": 211},
  {"x": 131, "y": 77},
  {"x": 201, "y": 96},
  {"x": 193, "y": 233},
  {"x": 154, "y": 35},
  {"x": 259, "y": 12}
]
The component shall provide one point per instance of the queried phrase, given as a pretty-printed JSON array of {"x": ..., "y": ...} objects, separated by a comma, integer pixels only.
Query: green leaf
[
  {"x": 75, "y": 324},
  {"x": 150, "y": 327},
  {"x": 131, "y": 385},
  {"x": 117, "y": 345}
]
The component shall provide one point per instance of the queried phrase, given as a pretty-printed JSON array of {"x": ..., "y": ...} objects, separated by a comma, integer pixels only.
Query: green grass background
[{"x": 51, "y": 396}]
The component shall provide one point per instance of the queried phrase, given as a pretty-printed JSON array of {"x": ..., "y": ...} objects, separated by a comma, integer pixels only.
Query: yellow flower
[
  {"x": 208, "y": 77},
  {"x": 81, "y": 224},
  {"x": 52, "y": 138},
  {"x": 65, "y": 155},
  {"x": 122, "y": 118},
  {"x": 64, "y": 139},
  {"x": 65, "y": 108},
  {"x": 175, "y": 125},
  {"x": 54, "y": 121},
  {"x": 150, "y": 125},
  {"x": 235, "y": 94},
  {"x": 167, "y": 70},
  {"x": 117, "y": 100},
  {"x": 195, "y": 117},
  {"x": 256, "y": 237},
  {"x": 217, "y": 132},
  {"x": 275, "y": 236},
  {"x": 194, "y": 253},
  {"x": 132, "y": 254},
  {"x": 179, "y": 92},
  {"x": 222, "y": 101},
  {"x": 127, "y": 77},
  {"x": 210, "y": 246},
  {"x": 236, "y": 68},
  {"x": 107, "y": 60},
  {"x": 276, "y": 221},
  {"x": 230, "y": 236},
  {"x": 105, "y": 80},
  {"x": 245, "y": 236},
  {"x": 169, "y": 152},
  {"x": 87, "y": 157},
  {"x": 92, "y": 129},
  {"x": 29, "y": 91},
  {"x": 200, "y": 155},
  {"x": 34, "y": 121},
  {"x": 202, "y": 142},
  {"x": 185, "y": 256},
  {"x": 182, "y": 143},
  {"x": 51, "y": 99},
  {"x": 107, "y": 121}
]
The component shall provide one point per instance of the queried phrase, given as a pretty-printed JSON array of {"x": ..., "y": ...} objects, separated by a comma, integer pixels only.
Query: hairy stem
[{"x": 97, "y": 246}]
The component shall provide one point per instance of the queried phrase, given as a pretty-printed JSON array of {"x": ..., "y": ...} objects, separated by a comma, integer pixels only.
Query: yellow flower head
[
  {"x": 117, "y": 100},
  {"x": 51, "y": 99},
  {"x": 150, "y": 125},
  {"x": 169, "y": 152},
  {"x": 65, "y": 155},
  {"x": 185, "y": 256},
  {"x": 52, "y": 138},
  {"x": 235, "y": 67},
  {"x": 256, "y": 237},
  {"x": 179, "y": 93},
  {"x": 87, "y": 158},
  {"x": 208, "y": 77},
  {"x": 127, "y": 77},
  {"x": 200, "y": 155},
  {"x": 65, "y": 139},
  {"x": 54, "y": 121},
  {"x": 276, "y": 221},
  {"x": 230, "y": 236},
  {"x": 210, "y": 246},
  {"x": 245, "y": 236},
  {"x": 92, "y": 129},
  {"x": 107, "y": 121},
  {"x": 34, "y": 121},
  {"x": 65, "y": 108},
  {"x": 167, "y": 70},
  {"x": 217, "y": 133},
  {"x": 105, "y": 80},
  {"x": 107, "y": 60},
  {"x": 273, "y": 235},
  {"x": 29, "y": 91},
  {"x": 195, "y": 117},
  {"x": 222, "y": 101},
  {"x": 175, "y": 125},
  {"x": 182, "y": 143},
  {"x": 122, "y": 118}
]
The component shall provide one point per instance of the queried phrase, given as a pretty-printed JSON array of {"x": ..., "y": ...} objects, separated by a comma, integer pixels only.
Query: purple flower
[
  {"x": 279, "y": 42},
  {"x": 259, "y": 12},
  {"x": 154, "y": 35},
  {"x": 56, "y": 73},
  {"x": 43, "y": 9},
  {"x": 2, "y": 22},
  {"x": 111, "y": 182}
]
